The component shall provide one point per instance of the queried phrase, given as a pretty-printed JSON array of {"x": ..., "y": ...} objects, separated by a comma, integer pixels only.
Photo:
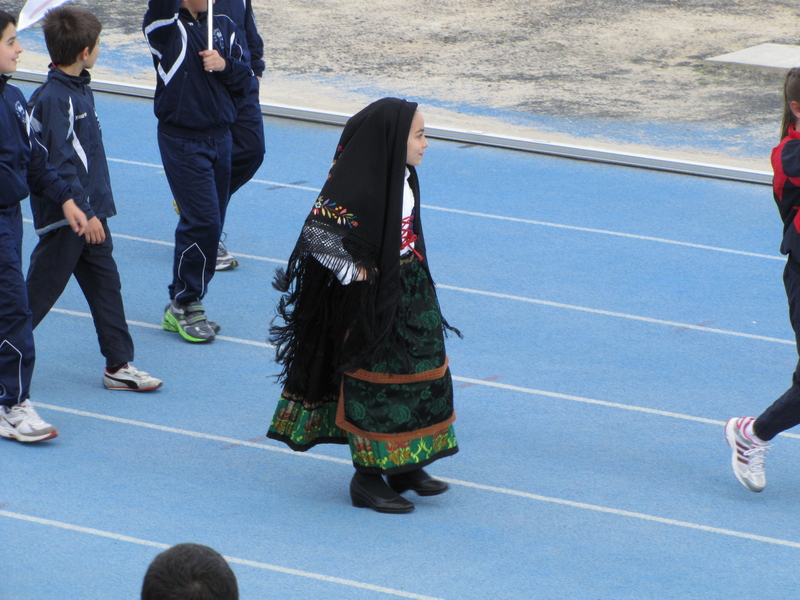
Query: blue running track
[{"x": 613, "y": 319}]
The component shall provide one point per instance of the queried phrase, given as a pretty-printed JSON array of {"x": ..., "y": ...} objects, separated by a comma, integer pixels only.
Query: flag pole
[{"x": 210, "y": 18}]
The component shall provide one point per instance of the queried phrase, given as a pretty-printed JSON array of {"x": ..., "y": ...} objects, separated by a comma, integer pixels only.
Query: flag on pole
[{"x": 34, "y": 10}]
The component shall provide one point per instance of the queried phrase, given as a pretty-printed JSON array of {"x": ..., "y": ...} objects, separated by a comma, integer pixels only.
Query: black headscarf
[{"x": 329, "y": 327}]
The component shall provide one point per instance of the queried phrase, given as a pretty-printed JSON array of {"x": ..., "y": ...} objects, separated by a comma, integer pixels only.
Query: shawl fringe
[{"x": 324, "y": 328}]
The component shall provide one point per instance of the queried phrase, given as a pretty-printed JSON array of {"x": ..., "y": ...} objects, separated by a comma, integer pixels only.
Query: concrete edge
[{"x": 627, "y": 159}]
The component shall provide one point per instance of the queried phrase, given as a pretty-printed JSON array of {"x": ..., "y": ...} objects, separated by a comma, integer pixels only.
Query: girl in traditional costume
[{"x": 362, "y": 338}]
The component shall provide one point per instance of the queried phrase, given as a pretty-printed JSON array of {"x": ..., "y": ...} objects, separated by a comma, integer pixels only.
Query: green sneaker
[{"x": 190, "y": 321}]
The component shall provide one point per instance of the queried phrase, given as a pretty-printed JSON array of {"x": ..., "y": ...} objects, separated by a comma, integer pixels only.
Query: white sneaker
[
  {"x": 225, "y": 260},
  {"x": 23, "y": 423},
  {"x": 747, "y": 456},
  {"x": 131, "y": 379}
]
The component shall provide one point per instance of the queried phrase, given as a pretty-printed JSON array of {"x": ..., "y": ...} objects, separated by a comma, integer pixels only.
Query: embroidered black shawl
[{"x": 328, "y": 327}]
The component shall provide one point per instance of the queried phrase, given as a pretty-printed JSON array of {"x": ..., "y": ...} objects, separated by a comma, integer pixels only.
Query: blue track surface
[{"x": 614, "y": 319}]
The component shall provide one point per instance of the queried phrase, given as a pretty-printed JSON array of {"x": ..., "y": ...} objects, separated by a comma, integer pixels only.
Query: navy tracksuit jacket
[
  {"x": 195, "y": 110},
  {"x": 63, "y": 114},
  {"x": 248, "y": 130}
]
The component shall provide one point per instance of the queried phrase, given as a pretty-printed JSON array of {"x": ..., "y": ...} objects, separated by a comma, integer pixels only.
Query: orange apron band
[
  {"x": 390, "y": 378},
  {"x": 342, "y": 423}
]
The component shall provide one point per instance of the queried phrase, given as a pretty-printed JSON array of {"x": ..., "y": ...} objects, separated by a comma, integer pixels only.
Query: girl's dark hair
[
  {"x": 791, "y": 93},
  {"x": 5, "y": 20}
]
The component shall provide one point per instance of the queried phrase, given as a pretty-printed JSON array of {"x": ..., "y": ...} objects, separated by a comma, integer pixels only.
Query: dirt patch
[
  {"x": 610, "y": 60},
  {"x": 550, "y": 69}
]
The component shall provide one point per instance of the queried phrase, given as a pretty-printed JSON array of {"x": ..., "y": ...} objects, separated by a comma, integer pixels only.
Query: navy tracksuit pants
[
  {"x": 59, "y": 255},
  {"x": 784, "y": 413},
  {"x": 199, "y": 175},
  {"x": 17, "y": 355},
  {"x": 248, "y": 139}
]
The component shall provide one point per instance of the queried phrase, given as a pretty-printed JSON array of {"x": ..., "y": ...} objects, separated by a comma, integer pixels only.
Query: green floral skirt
[{"x": 397, "y": 415}]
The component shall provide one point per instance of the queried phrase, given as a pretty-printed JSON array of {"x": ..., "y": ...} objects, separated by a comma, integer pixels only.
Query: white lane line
[
  {"x": 275, "y": 183},
  {"x": 172, "y": 245},
  {"x": 631, "y": 407},
  {"x": 230, "y": 559},
  {"x": 470, "y": 380},
  {"x": 141, "y": 239},
  {"x": 604, "y": 232},
  {"x": 279, "y": 261},
  {"x": 609, "y": 313},
  {"x": 595, "y": 311},
  {"x": 625, "y": 513},
  {"x": 85, "y": 315},
  {"x": 134, "y": 162},
  {"x": 516, "y": 219},
  {"x": 459, "y": 482},
  {"x": 524, "y": 390},
  {"x": 286, "y": 185},
  {"x": 186, "y": 432},
  {"x": 503, "y": 386}
]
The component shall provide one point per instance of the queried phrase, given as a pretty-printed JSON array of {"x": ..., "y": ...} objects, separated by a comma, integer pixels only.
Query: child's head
[
  {"x": 416, "y": 140},
  {"x": 9, "y": 46},
  {"x": 791, "y": 100},
  {"x": 190, "y": 571},
  {"x": 195, "y": 6},
  {"x": 68, "y": 32}
]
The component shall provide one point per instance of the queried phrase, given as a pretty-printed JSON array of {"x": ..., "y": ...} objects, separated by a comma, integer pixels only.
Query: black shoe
[
  {"x": 382, "y": 501},
  {"x": 418, "y": 481}
]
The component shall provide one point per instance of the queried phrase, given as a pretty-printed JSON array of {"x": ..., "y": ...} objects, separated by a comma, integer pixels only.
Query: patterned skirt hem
[
  {"x": 371, "y": 456},
  {"x": 303, "y": 447},
  {"x": 407, "y": 467}
]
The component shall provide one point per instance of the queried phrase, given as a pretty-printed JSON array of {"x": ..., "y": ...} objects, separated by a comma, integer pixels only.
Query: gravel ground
[{"x": 627, "y": 73}]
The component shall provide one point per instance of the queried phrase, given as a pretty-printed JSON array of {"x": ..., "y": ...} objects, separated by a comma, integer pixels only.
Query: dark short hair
[
  {"x": 6, "y": 20},
  {"x": 67, "y": 31},
  {"x": 189, "y": 572}
]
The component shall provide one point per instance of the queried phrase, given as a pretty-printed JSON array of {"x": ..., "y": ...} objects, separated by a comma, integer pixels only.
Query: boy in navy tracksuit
[
  {"x": 63, "y": 114},
  {"x": 195, "y": 107},
  {"x": 23, "y": 167},
  {"x": 248, "y": 130}
]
